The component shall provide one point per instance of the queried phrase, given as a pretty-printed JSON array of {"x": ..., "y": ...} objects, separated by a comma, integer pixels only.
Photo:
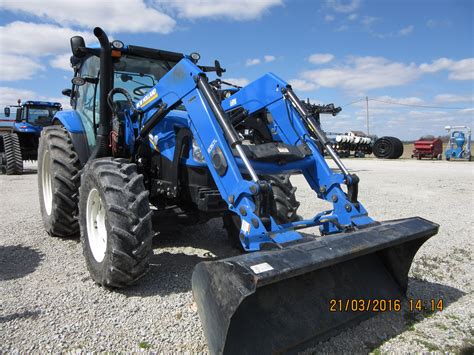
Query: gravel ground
[{"x": 49, "y": 303}]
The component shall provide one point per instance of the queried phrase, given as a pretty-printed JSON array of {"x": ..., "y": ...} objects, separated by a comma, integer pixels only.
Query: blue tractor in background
[
  {"x": 19, "y": 140},
  {"x": 150, "y": 135},
  {"x": 459, "y": 145}
]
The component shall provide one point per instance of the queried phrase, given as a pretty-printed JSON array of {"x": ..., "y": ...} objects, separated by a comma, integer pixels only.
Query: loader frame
[
  {"x": 295, "y": 133},
  {"x": 186, "y": 84}
]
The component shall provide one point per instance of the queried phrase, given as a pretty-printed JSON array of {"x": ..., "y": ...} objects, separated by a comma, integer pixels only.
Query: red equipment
[{"x": 429, "y": 147}]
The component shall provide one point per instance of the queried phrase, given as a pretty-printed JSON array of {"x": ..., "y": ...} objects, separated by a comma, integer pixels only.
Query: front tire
[
  {"x": 58, "y": 182},
  {"x": 115, "y": 221},
  {"x": 13, "y": 161}
]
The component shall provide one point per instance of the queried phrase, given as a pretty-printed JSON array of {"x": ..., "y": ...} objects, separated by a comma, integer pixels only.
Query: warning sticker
[
  {"x": 263, "y": 267},
  {"x": 245, "y": 227}
]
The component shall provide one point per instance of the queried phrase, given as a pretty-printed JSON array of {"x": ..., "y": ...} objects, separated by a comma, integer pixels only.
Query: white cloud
[
  {"x": 412, "y": 100},
  {"x": 234, "y": 9},
  {"x": 458, "y": 70},
  {"x": 61, "y": 61},
  {"x": 450, "y": 98},
  {"x": 466, "y": 112},
  {"x": 36, "y": 39},
  {"x": 9, "y": 96},
  {"x": 432, "y": 23},
  {"x": 342, "y": 28},
  {"x": 352, "y": 17},
  {"x": 269, "y": 58},
  {"x": 375, "y": 102},
  {"x": 23, "y": 44},
  {"x": 252, "y": 61},
  {"x": 237, "y": 81},
  {"x": 369, "y": 20},
  {"x": 364, "y": 73},
  {"x": 302, "y": 85},
  {"x": 320, "y": 58},
  {"x": 16, "y": 67},
  {"x": 329, "y": 18},
  {"x": 131, "y": 16},
  {"x": 343, "y": 6},
  {"x": 436, "y": 65},
  {"x": 406, "y": 30}
]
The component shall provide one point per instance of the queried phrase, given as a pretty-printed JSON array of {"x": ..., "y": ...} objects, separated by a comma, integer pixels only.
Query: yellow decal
[{"x": 152, "y": 95}]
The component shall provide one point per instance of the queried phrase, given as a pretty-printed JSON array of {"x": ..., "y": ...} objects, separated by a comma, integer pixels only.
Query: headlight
[
  {"x": 197, "y": 153},
  {"x": 195, "y": 57},
  {"x": 118, "y": 44}
]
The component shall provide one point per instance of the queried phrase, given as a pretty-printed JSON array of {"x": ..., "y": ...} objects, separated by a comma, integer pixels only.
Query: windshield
[
  {"x": 40, "y": 115},
  {"x": 138, "y": 75}
]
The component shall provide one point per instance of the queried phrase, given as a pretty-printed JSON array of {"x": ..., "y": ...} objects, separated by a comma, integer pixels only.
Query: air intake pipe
[{"x": 105, "y": 81}]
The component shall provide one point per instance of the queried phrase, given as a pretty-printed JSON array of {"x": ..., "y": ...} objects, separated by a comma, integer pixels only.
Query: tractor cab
[
  {"x": 134, "y": 69},
  {"x": 31, "y": 116},
  {"x": 37, "y": 113}
]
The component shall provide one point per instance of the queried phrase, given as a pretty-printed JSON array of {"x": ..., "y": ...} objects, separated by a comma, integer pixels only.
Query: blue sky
[{"x": 406, "y": 52}]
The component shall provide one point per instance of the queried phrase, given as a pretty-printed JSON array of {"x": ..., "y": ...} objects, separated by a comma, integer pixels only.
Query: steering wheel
[
  {"x": 113, "y": 105},
  {"x": 141, "y": 90}
]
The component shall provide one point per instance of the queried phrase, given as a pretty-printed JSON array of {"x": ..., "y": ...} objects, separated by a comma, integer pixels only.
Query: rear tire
[
  {"x": 388, "y": 148},
  {"x": 12, "y": 160},
  {"x": 58, "y": 182},
  {"x": 115, "y": 221},
  {"x": 284, "y": 209}
]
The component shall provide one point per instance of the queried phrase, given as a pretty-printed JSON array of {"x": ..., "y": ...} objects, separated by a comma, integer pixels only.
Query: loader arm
[{"x": 186, "y": 84}]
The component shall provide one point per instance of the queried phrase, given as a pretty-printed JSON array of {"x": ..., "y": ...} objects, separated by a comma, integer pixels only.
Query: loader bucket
[{"x": 279, "y": 301}]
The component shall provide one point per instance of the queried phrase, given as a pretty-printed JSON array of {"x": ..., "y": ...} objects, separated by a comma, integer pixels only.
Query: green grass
[
  {"x": 144, "y": 345},
  {"x": 428, "y": 345},
  {"x": 441, "y": 326}
]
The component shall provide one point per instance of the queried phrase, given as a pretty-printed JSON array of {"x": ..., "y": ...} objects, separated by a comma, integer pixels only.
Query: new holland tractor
[
  {"x": 19, "y": 141},
  {"x": 148, "y": 128}
]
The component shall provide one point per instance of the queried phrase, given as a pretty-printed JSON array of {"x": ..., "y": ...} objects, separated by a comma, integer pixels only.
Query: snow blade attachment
[{"x": 279, "y": 300}]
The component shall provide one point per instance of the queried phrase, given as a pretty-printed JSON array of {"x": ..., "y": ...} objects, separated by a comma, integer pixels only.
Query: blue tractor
[
  {"x": 459, "y": 145},
  {"x": 148, "y": 128},
  {"x": 19, "y": 141}
]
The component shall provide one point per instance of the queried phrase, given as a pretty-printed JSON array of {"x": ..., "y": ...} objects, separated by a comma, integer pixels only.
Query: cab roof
[{"x": 41, "y": 103}]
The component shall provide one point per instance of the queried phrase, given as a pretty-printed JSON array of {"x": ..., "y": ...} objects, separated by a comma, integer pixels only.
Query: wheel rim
[
  {"x": 47, "y": 183},
  {"x": 96, "y": 231}
]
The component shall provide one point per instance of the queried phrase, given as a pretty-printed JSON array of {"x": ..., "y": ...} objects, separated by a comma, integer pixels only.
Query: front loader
[{"x": 148, "y": 128}]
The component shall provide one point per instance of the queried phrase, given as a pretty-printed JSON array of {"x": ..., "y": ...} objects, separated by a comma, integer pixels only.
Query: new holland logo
[{"x": 147, "y": 98}]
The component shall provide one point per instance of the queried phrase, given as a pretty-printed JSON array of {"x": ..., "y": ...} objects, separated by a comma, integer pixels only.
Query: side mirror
[
  {"x": 219, "y": 69},
  {"x": 77, "y": 46},
  {"x": 7, "y": 111},
  {"x": 18, "y": 114},
  {"x": 67, "y": 92}
]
